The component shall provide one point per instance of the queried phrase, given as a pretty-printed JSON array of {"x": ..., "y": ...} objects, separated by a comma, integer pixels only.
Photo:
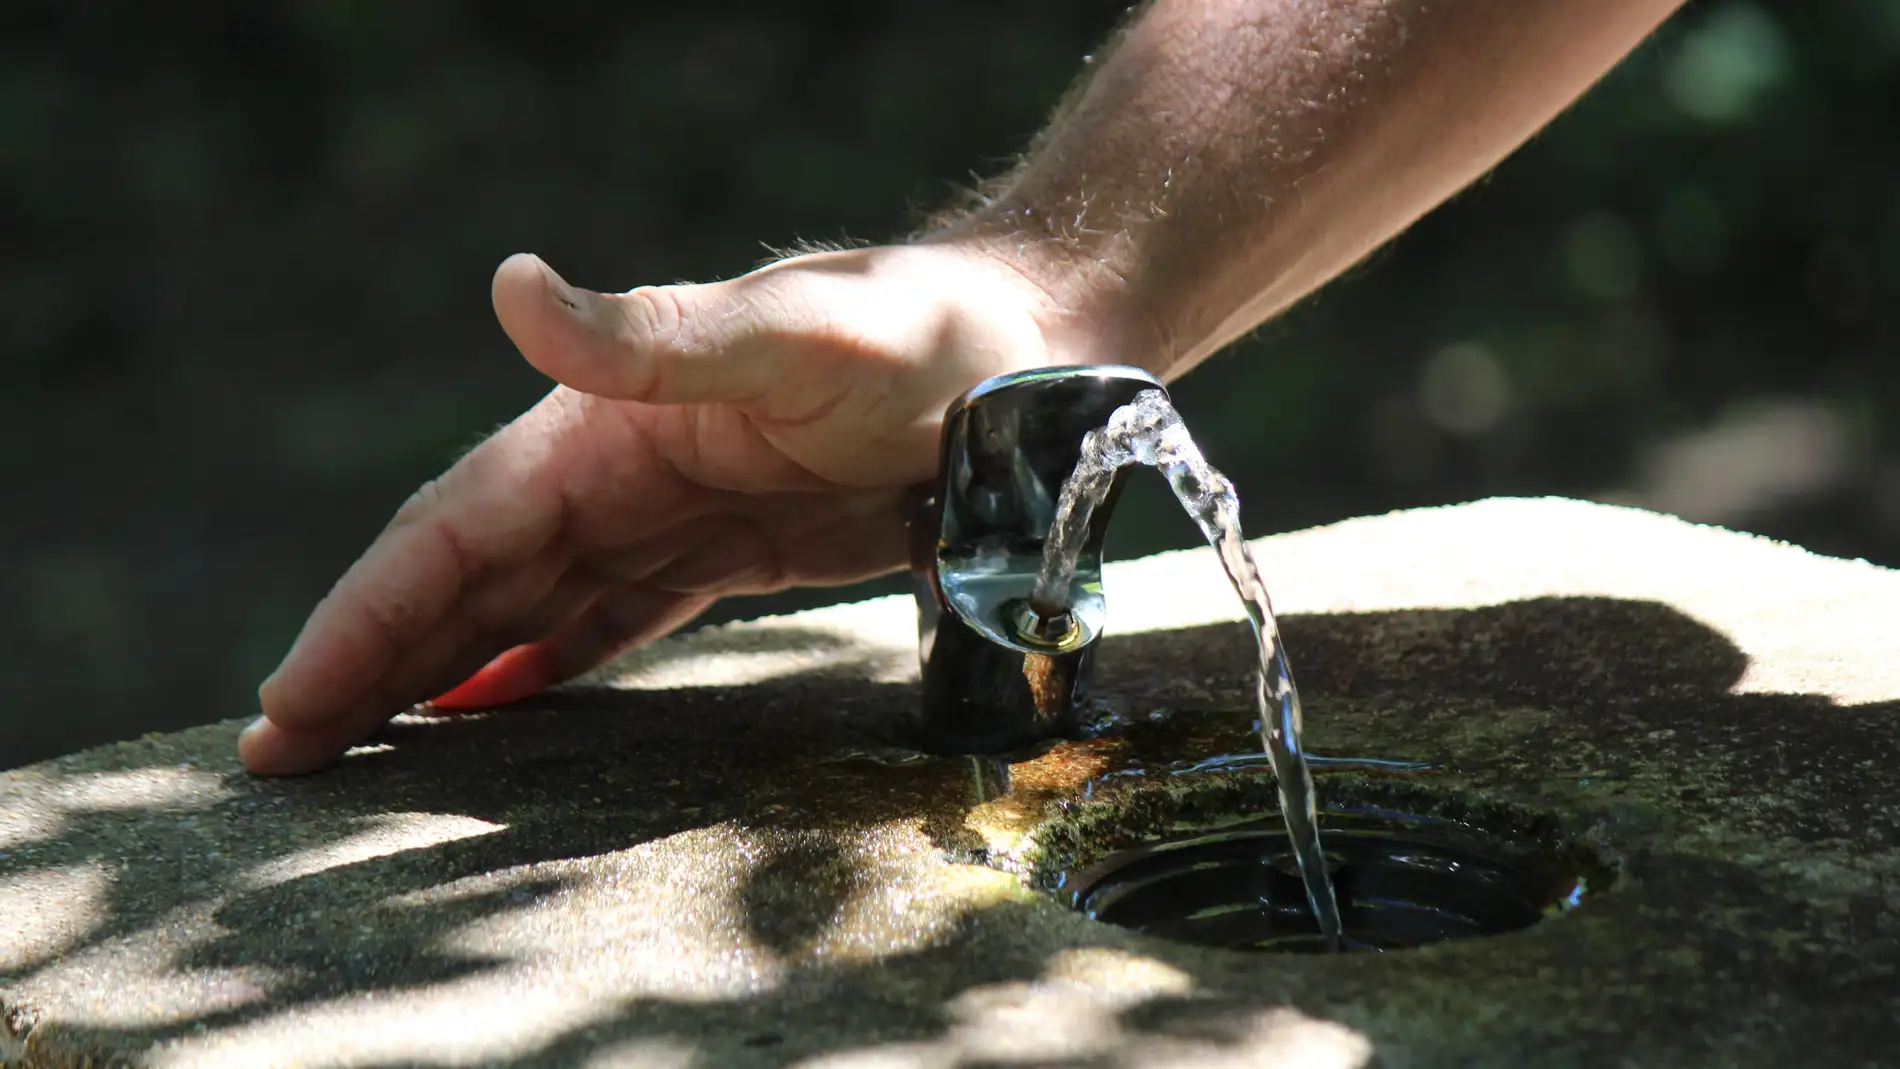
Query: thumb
[{"x": 657, "y": 344}]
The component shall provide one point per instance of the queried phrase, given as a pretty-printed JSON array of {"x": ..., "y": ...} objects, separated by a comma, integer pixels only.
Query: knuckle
[
  {"x": 426, "y": 499},
  {"x": 652, "y": 317},
  {"x": 396, "y": 617}
]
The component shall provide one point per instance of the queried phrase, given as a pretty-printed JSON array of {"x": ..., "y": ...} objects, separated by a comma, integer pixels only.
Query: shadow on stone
[{"x": 719, "y": 844}]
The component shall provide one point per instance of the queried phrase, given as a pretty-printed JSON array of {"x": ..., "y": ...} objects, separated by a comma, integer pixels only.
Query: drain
[{"x": 1403, "y": 880}]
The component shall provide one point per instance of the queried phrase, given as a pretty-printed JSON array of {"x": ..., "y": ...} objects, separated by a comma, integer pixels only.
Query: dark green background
[{"x": 246, "y": 251}]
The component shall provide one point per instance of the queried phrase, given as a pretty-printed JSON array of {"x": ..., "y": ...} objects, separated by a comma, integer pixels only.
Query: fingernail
[
  {"x": 253, "y": 727},
  {"x": 577, "y": 302}
]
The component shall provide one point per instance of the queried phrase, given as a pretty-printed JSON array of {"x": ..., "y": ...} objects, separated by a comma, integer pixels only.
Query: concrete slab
[{"x": 695, "y": 861}]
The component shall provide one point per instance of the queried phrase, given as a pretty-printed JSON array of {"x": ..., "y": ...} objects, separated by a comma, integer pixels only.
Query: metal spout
[{"x": 999, "y": 673}]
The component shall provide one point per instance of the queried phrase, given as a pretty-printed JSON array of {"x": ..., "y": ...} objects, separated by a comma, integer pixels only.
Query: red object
[{"x": 520, "y": 673}]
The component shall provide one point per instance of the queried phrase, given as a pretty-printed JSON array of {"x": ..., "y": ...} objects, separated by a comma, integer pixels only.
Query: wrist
[{"x": 1089, "y": 308}]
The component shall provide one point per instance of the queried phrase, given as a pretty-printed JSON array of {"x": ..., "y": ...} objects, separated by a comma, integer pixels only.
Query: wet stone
[{"x": 718, "y": 852}]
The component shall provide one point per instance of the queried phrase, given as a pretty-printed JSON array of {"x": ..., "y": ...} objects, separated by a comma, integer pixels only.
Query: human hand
[{"x": 736, "y": 437}]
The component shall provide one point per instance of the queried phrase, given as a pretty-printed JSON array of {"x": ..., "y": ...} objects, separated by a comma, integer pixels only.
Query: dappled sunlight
[
  {"x": 1067, "y": 1024},
  {"x": 832, "y": 639},
  {"x": 35, "y": 805},
  {"x": 1078, "y": 1011},
  {"x": 724, "y": 911},
  {"x": 1278, "y": 1037},
  {"x": 1083, "y": 1006},
  {"x": 382, "y": 834},
  {"x": 646, "y": 1052},
  {"x": 730, "y": 669},
  {"x": 693, "y": 942},
  {"x": 486, "y": 1019},
  {"x": 889, "y": 916},
  {"x": 1034, "y": 1021},
  {"x": 714, "y": 875},
  {"x": 884, "y": 1056},
  {"x": 144, "y": 970},
  {"x": 1062, "y": 1023},
  {"x": 63, "y": 906},
  {"x": 568, "y": 882},
  {"x": 20, "y": 822},
  {"x": 138, "y": 789},
  {"x": 1136, "y": 974},
  {"x": 706, "y": 921}
]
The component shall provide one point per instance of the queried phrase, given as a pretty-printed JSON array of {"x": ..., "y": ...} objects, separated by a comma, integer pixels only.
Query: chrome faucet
[{"x": 999, "y": 673}]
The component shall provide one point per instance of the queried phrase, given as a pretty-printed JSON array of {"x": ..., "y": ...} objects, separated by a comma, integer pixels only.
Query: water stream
[{"x": 1149, "y": 431}]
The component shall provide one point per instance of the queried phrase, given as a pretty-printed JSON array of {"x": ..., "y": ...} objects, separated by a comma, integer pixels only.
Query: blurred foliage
[{"x": 243, "y": 288}]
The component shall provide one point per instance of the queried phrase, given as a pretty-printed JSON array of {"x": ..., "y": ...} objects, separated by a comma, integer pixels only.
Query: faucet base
[
  {"x": 983, "y": 698},
  {"x": 1001, "y": 673}
]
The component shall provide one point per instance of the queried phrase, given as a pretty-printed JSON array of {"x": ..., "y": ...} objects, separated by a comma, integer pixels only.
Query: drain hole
[{"x": 1403, "y": 881}]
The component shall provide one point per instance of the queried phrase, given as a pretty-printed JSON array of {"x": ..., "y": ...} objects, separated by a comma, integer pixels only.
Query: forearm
[{"x": 1227, "y": 157}]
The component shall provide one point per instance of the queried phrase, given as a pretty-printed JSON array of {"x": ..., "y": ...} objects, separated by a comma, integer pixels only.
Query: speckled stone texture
[{"x": 685, "y": 864}]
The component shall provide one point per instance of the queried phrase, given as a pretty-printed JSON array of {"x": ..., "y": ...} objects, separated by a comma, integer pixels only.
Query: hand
[{"x": 737, "y": 437}]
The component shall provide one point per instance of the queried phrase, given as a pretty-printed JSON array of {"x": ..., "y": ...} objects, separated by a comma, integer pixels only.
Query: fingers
[
  {"x": 489, "y": 516},
  {"x": 664, "y": 583},
  {"x": 660, "y": 344},
  {"x": 467, "y": 554},
  {"x": 269, "y": 749},
  {"x": 387, "y": 602},
  {"x": 461, "y": 645},
  {"x": 657, "y": 587}
]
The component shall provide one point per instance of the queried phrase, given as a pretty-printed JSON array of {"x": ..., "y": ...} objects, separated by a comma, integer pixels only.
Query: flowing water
[{"x": 1149, "y": 431}]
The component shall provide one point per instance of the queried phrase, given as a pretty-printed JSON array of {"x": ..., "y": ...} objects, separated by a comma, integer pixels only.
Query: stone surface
[{"x": 691, "y": 863}]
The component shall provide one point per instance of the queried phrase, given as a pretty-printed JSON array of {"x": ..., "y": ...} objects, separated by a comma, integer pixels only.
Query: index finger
[{"x": 492, "y": 512}]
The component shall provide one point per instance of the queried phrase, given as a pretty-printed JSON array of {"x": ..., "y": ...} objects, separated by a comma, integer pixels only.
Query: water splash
[{"x": 1149, "y": 431}]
